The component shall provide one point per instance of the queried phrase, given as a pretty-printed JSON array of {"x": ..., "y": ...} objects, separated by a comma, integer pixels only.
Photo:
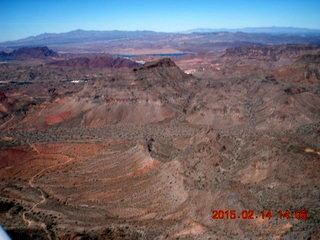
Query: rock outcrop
[{"x": 163, "y": 72}]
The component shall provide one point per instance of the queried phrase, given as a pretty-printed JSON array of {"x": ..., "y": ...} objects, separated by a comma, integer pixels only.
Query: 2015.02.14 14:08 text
[{"x": 264, "y": 214}]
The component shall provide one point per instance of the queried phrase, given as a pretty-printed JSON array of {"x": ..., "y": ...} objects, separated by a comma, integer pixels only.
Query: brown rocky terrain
[
  {"x": 268, "y": 57},
  {"x": 304, "y": 71},
  {"x": 148, "y": 152},
  {"x": 96, "y": 62},
  {"x": 273, "y": 52}
]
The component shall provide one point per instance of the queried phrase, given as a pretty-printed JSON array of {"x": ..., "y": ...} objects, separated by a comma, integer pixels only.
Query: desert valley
[{"x": 146, "y": 135}]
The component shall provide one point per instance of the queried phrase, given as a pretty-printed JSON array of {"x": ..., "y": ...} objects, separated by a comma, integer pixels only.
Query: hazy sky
[{"x": 22, "y": 18}]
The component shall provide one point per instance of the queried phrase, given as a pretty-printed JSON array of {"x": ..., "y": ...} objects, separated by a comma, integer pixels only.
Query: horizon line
[{"x": 188, "y": 31}]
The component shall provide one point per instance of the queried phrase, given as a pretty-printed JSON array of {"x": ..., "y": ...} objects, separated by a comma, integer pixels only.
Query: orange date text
[{"x": 264, "y": 214}]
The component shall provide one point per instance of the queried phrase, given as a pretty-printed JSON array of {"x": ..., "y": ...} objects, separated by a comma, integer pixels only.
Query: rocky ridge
[{"x": 30, "y": 53}]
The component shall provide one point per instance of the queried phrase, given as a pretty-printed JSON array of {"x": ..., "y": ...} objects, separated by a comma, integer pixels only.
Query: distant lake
[
  {"x": 21, "y": 83},
  {"x": 152, "y": 55}
]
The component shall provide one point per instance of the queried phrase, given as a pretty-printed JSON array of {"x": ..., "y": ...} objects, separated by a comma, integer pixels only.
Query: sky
[
  {"x": 23, "y": 18},
  {"x": 3, "y": 234}
]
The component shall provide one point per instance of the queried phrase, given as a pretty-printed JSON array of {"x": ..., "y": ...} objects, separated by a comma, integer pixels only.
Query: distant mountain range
[
  {"x": 268, "y": 30},
  {"x": 82, "y": 41},
  {"x": 76, "y": 36}
]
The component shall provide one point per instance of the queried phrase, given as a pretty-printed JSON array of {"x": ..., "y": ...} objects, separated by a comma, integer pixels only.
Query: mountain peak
[
  {"x": 163, "y": 69},
  {"x": 163, "y": 62}
]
